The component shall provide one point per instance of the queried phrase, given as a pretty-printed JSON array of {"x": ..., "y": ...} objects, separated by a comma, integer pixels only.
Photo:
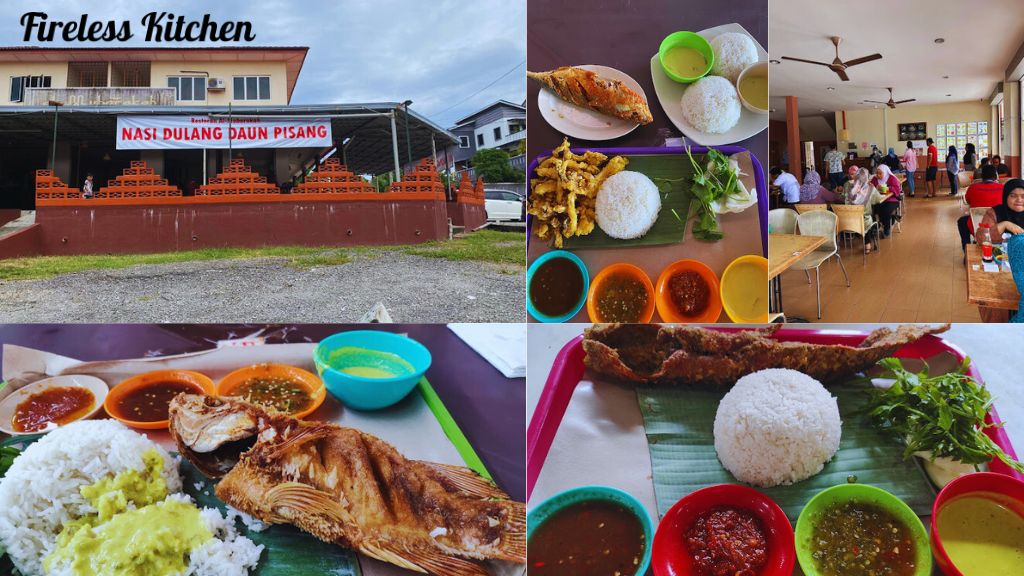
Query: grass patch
[
  {"x": 39, "y": 267},
  {"x": 483, "y": 246}
]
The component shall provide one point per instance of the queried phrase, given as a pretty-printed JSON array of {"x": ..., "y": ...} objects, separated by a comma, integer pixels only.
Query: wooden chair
[
  {"x": 964, "y": 180},
  {"x": 851, "y": 219},
  {"x": 805, "y": 208},
  {"x": 782, "y": 221},
  {"x": 819, "y": 223}
]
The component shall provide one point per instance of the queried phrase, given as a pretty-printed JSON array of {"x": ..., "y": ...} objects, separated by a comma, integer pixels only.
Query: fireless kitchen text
[{"x": 158, "y": 26}]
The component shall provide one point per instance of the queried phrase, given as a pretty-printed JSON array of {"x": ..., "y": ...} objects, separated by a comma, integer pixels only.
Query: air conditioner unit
[{"x": 215, "y": 84}]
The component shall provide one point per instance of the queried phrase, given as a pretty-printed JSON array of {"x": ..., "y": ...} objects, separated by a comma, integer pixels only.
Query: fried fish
[
  {"x": 590, "y": 90},
  {"x": 348, "y": 487},
  {"x": 653, "y": 354}
]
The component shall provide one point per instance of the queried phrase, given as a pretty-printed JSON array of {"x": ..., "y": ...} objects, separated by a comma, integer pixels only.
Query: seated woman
[
  {"x": 886, "y": 183},
  {"x": 986, "y": 193},
  {"x": 812, "y": 192},
  {"x": 860, "y": 192},
  {"x": 1007, "y": 218}
]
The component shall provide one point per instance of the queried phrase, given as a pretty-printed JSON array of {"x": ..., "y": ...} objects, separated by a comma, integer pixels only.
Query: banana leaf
[
  {"x": 680, "y": 421},
  {"x": 671, "y": 173}
]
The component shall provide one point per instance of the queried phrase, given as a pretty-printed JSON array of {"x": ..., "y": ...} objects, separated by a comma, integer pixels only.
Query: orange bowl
[
  {"x": 614, "y": 270},
  {"x": 667, "y": 308},
  {"x": 198, "y": 382},
  {"x": 309, "y": 382}
]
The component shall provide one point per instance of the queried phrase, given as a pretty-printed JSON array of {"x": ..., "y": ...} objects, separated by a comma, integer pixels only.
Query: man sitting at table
[
  {"x": 984, "y": 194},
  {"x": 786, "y": 181},
  {"x": 1001, "y": 169},
  {"x": 977, "y": 173}
]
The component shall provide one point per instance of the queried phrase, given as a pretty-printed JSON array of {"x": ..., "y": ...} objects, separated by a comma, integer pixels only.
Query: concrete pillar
[
  {"x": 793, "y": 137},
  {"x": 1012, "y": 125}
]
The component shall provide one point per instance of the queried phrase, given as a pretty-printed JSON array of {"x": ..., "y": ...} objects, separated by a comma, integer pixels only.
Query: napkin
[{"x": 503, "y": 345}]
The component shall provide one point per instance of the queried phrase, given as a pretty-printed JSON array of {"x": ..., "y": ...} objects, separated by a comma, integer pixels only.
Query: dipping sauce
[
  {"x": 858, "y": 539},
  {"x": 685, "y": 62},
  {"x": 594, "y": 538},
  {"x": 621, "y": 298},
  {"x": 556, "y": 287},
  {"x": 281, "y": 394},
  {"x": 982, "y": 536},
  {"x": 689, "y": 292},
  {"x": 150, "y": 403},
  {"x": 367, "y": 363},
  {"x": 60, "y": 405},
  {"x": 727, "y": 541},
  {"x": 743, "y": 289},
  {"x": 754, "y": 88}
]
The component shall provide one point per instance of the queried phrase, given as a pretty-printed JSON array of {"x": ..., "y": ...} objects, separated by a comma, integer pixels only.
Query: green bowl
[
  {"x": 862, "y": 493},
  {"x": 686, "y": 40}
]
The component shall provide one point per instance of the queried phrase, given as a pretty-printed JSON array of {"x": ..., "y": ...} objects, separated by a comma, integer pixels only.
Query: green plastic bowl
[
  {"x": 862, "y": 493},
  {"x": 549, "y": 507},
  {"x": 686, "y": 40}
]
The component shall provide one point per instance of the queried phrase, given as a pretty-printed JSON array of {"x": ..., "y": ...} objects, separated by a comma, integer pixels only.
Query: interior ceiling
[{"x": 980, "y": 40}]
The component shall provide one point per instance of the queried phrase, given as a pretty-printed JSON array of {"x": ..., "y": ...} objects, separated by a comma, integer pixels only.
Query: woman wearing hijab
[
  {"x": 952, "y": 170},
  {"x": 812, "y": 192},
  {"x": 970, "y": 158},
  {"x": 859, "y": 191},
  {"x": 886, "y": 183},
  {"x": 1008, "y": 217}
]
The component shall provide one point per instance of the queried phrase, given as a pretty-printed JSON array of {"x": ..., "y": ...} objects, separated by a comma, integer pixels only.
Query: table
[
  {"x": 487, "y": 406},
  {"x": 995, "y": 293},
  {"x": 784, "y": 250},
  {"x": 624, "y": 36}
]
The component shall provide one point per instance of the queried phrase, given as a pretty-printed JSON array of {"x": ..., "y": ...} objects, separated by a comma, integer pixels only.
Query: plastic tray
[{"x": 568, "y": 370}]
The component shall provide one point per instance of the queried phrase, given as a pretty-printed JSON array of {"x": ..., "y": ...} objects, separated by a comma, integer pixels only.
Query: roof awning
[{"x": 368, "y": 126}]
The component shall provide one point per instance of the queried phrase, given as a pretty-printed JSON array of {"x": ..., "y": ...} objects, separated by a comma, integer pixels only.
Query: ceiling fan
[
  {"x": 837, "y": 65},
  {"x": 891, "y": 103}
]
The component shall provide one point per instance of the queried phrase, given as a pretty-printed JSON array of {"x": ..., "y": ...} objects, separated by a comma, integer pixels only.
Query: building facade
[{"x": 499, "y": 125}]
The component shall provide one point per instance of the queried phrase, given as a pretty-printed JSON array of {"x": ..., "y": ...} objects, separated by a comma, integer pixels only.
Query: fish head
[{"x": 212, "y": 433}]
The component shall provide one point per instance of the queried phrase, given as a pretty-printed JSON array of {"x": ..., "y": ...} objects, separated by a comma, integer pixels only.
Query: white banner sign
[{"x": 167, "y": 132}]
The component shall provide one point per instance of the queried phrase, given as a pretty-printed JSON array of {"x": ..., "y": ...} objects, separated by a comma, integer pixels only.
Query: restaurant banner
[{"x": 172, "y": 132}]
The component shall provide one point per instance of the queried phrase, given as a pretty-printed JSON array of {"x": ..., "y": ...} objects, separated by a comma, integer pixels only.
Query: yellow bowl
[{"x": 744, "y": 290}]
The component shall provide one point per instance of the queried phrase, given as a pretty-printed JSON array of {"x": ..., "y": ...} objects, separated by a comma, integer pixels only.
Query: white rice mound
[
  {"x": 627, "y": 205},
  {"x": 776, "y": 427},
  {"x": 711, "y": 105},
  {"x": 733, "y": 52},
  {"x": 40, "y": 492}
]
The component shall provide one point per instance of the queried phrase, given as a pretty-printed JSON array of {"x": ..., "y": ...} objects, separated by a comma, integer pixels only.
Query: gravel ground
[{"x": 414, "y": 289}]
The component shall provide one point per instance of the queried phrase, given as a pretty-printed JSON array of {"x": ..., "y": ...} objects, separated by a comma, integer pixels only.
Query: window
[
  {"x": 463, "y": 141},
  {"x": 479, "y": 140},
  {"x": 252, "y": 88},
  {"x": 959, "y": 134},
  {"x": 513, "y": 128},
  {"x": 497, "y": 133},
  {"x": 20, "y": 83},
  {"x": 188, "y": 88}
]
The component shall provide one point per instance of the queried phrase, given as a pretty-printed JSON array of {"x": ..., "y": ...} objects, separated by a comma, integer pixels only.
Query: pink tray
[{"x": 568, "y": 370}]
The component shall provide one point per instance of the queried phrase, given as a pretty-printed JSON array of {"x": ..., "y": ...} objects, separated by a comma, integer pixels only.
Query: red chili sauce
[
  {"x": 726, "y": 541},
  {"x": 690, "y": 293},
  {"x": 59, "y": 405}
]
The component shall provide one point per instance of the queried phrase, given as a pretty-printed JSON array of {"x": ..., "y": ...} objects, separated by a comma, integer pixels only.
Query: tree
[{"x": 492, "y": 165}]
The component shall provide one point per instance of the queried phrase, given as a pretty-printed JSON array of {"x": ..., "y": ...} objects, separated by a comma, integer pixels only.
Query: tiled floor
[{"x": 918, "y": 276}]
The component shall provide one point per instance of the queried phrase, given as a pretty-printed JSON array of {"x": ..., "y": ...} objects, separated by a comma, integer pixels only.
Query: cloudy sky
[{"x": 450, "y": 57}]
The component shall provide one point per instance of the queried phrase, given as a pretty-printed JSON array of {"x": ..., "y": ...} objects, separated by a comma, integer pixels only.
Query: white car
[{"x": 504, "y": 205}]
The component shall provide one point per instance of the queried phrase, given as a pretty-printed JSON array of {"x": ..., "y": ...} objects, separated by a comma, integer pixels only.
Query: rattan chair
[
  {"x": 850, "y": 218},
  {"x": 782, "y": 221},
  {"x": 805, "y": 208},
  {"x": 820, "y": 223}
]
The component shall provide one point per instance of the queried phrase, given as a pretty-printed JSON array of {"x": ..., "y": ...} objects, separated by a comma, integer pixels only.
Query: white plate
[
  {"x": 584, "y": 123},
  {"x": 670, "y": 92},
  {"x": 98, "y": 388}
]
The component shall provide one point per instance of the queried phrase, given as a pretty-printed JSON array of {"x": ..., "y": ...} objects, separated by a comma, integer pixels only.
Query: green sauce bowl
[
  {"x": 811, "y": 514},
  {"x": 686, "y": 40}
]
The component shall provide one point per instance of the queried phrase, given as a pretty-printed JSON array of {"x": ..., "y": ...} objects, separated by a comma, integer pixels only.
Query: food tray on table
[
  {"x": 623, "y": 461},
  {"x": 289, "y": 550},
  {"x": 652, "y": 256}
]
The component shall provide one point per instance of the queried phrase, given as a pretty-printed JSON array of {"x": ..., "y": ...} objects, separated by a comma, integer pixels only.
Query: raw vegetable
[
  {"x": 712, "y": 183},
  {"x": 942, "y": 414},
  {"x": 7, "y": 456}
]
